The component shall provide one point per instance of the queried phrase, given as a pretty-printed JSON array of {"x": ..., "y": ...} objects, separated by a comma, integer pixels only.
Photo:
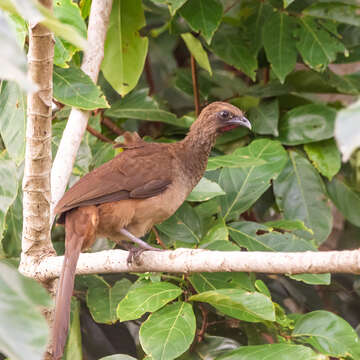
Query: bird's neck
[{"x": 194, "y": 150}]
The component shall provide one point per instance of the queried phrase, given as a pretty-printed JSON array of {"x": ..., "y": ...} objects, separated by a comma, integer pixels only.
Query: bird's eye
[{"x": 224, "y": 114}]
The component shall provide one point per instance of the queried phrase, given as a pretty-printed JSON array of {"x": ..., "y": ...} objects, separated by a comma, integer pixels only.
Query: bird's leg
[{"x": 134, "y": 252}]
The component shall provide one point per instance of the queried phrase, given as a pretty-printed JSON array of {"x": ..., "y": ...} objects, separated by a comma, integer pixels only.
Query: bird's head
[{"x": 219, "y": 117}]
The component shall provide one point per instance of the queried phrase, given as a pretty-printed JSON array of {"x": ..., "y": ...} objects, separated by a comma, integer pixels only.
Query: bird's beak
[{"x": 239, "y": 121}]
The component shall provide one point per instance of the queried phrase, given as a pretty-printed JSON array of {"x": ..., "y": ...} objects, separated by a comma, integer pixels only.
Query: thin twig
[
  {"x": 112, "y": 126},
  {"x": 204, "y": 325},
  {"x": 100, "y": 136},
  {"x": 158, "y": 240},
  {"x": 149, "y": 76}
]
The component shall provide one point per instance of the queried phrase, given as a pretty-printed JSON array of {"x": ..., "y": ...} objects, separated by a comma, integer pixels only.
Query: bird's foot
[{"x": 135, "y": 252}]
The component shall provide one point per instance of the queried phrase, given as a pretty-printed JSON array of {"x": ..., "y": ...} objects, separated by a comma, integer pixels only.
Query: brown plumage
[{"x": 140, "y": 187}]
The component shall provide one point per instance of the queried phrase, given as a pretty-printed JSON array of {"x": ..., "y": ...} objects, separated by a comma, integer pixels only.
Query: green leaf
[
  {"x": 243, "y": 186},
  {"x": 125, "y": 44},
  {"x": 138, "y": 105},
  {"x": 174, "y": 5},
  {"x": 238, "y": 159},
  {"x": 20, "y": 27},
  {"x": 258, "y": 237},
  {"x": 23, "y": 329},
  {"x": 62, "y": 53},
  {"x": 228, "y": 46},
  {"x": 317, "y": 47},
  {"x": 196, "y": 49},
  {"x": 327, "y": 333},
  {"x": 148, "y": 298},
  {"x": 222, "y": 280},
  {"x": 325, "y": 156},
  {"x": 118, "y": 357},
  {"x": 13, "y": 62},
  {"x": 289, "y": 225},
  {"x": 13, "y": 120},
  {"x": 8, "y": 189},
  {"x": 68, "y": 12},
  {"x": 183, "y": 226},
  {"x": 169, "y": 332},
  {"x": 271, "y": 352},
  {"x": 239, "y": 304},
  {"x": 336, "y": 11},
  {"x": 347, "y": 129},
  {"x": 203, "y": 16},
  {"x": 217, "y": 232},
  {"x": 73, "y": 349},
  {"x": 300, "y": 184},
  {"x": 103, "y": 300},
  {"x": 313, "y": 279},
  {"x": 205, "y": 190},
  {"x": 279, "y": 44},
  {"x": 307, "y": 123},
  {"x": 346, "y": 199},
  {"x": 287, "y": 3},
  {"x": 73, "y": 87},
  {"x": 212, "y": 347},
  {"x": 260, "y": 11},
  {"x": 14, "y": 223},
  {"x": 264, "y": 118}
]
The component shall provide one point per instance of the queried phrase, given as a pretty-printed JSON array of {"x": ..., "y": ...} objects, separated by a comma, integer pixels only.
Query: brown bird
[{"x": 125, "y": 197}]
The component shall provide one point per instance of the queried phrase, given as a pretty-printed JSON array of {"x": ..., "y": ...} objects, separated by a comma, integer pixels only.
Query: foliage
[{"x": 281, "y": 187}]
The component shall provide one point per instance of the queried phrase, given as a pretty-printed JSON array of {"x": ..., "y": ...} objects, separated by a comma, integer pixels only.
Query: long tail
[{"x": 80, "y": 227}]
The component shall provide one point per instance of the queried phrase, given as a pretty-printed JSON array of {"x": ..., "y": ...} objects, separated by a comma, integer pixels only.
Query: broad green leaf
[
  {"x": 279, "y": 44},
  {"x": 258, "y": 237},
  {"x": 73, "y": 87},
  {"x": 183, "y": 226},
  {"x": 23, "y": 329},
  {"x": 103, "y": 300},
  {"x": 203, "y": 16},
  {"x": 271, "y": 352},
  {"x": 205, "y": 190},
  {"x": 13, "y": 62},
  {"x": 20, "y": 27},
  {"x": 301, "y": 195},
  {"x": 228, "y": 46},
  {"x": 13, "y": 120},
  {"x": 221, "y": 245},
  {"x": 8, "y": 188},
  {"x": 260, "y": 11},
  {"x": 14, "y": 223},
  {"x": 217, "y": 232},
  {"x": 335, "y": 11},
  {"x": 264, "y": 117},
  {"x": 346, "y": 199},
  {"x": 125, "y": 44},
  {"x": 35, "y": 12},
  {"x": 243, "y": 186},
  {"x": 289, "y": 225},
  {"x": 222, "y": 280},
  {"x": 307, "y": 123},
  {"x": 196, "y": 49},
  {"x": 174, "y": 5},
  {"x": 325, "y": 156},
  {"x": 313, "y": 279},
  {"x": 239, "y": 304},
  {"x": 317, "y": 47},
  {"x": 347, "y": 130},
  {"x": 118, "y": 357},
  {"x": 327, "y": 333},
  {"x": 148, "y": 298},
  {"x": 67, "y": 12},
  {"x": 73, "y": 349},
  {"x": 138, "y": 105},
  {"x": 169, "y": 332},
  {"x": 212, "y": 347},
  {"x": 287, "y": 3}
]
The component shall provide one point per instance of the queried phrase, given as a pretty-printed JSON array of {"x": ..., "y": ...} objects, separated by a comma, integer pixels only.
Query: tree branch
[
  {"x": 78, "y": 119},
  {"x": 36, "y": 181},
  {"x": 195, "y": 85},
  {"x": 190, "y": 261}
]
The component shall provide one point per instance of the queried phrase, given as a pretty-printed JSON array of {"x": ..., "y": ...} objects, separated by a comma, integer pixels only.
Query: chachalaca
[{"x": 142, "y": 186}]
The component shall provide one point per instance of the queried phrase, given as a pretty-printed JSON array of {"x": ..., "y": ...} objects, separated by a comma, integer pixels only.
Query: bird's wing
[{"x": 135, "y": 173}]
